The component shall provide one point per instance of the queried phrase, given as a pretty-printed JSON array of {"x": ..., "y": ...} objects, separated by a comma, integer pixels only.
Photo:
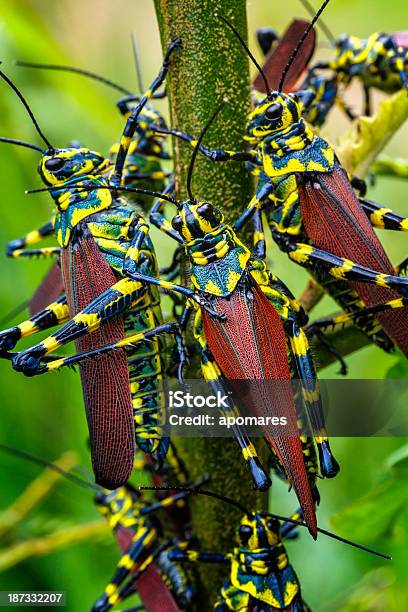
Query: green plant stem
[{"x": 211, "y": 66}]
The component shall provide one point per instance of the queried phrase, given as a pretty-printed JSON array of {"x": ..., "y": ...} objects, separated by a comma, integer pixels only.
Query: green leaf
[{"x": 374, "y": 514}]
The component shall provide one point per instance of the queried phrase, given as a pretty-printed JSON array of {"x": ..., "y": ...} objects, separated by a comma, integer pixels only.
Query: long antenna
[
  {"x": 323, "y": 26},
  {"x": 22, "y": 143},
  {"x": 28, "y": 109},
  {"x": 137, "y": 62},
  {"x": 223, "y": 498},
  {"x": 330, "y": 534},
  {"x": 155, "y": 194},
  {"x": 88, "y": 73},
  {"x": 232, "y": 502},
  {"x": 34, "y": 459},
  {"x": 243, "y": 43},
  {"x": 197, "y": 147},
  {"x": 300, "y": 43}
]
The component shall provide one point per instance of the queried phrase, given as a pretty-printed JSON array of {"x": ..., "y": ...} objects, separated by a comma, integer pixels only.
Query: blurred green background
[{"x": 45, "y": 415}]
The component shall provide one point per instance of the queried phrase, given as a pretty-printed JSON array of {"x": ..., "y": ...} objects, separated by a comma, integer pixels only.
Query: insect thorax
[{"x": 218, "y": 261}]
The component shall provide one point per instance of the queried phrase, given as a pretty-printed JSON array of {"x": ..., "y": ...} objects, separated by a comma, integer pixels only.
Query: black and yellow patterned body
[
  {"x": 316, "y": 217},
  {"x": 380, "y": 61},
  {"x": 85, "y": 208},
  {"x": 261, "y": 576},
  {"x": 143, "y": 167},
  {"x": 260, "y": 339},
  {"x": 290, "y": 158},
  {"x": 145, "y": 553}
]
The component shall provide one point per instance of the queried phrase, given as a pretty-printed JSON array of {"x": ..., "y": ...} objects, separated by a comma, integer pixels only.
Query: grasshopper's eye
[
  {"x": 204, "y": 210},
  {"x": 177, "y": 223},
  {"x": 245, "y": 532},
  {"x": 273, "y": 112},
  {"x": 209, "y": 213},
  {"x": 54, "y": 163},
  {"x": 273, "y": 525}
]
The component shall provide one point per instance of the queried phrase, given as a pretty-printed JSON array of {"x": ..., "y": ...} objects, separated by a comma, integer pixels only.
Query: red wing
[
  {"x": 124, "y": 537},
  {"x": 334, "y": 221},
  {"x": 251, "y": 345},
  {"x": 49, "y": 290},
  {"x": 153, "y": 592},
  {"x": 277, "y": 58},
  {"x": 401, "y": 38},
  {"x": 105, "y": 380}
]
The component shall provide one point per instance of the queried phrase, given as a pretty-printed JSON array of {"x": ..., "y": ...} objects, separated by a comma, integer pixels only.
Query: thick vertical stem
[{"x": 211, "y": 66}]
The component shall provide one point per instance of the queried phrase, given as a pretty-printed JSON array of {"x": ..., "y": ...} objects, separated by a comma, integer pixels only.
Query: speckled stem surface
[{"x": 211, "y": 65}]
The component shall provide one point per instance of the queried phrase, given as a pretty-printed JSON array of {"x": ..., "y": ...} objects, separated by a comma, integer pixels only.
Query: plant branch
[{"x": 210, "y": 66}]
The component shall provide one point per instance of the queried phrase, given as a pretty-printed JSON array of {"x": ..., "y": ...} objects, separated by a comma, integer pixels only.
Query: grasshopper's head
[
  {"x": 258, "y": 530},
  {"x": 345, "y": 43},
  {"x": 61, "y": 165},
  {"x": 114, "y": 505},
  {"x": 196, "y": 219},
  {"x": 276, "y": 113},
  {"x": 149, "y": 119}
]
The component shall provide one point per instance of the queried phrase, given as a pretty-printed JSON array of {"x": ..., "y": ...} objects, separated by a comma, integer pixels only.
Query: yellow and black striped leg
[
  {"x": 130, "y": 587},
  {"x": 384, "y": 218},
  {"x": 311, "y": 396},
  {"x": 259, "y": 250},
  {"x": 14, "y": 247},
  {"x": 157, "y": 218},
  {"x": 171, "y": 500},
  {"x": 111, "y": 303},
  {"x": 131, "y": 122},
  {"x": 55, "y": 314},
  {"x": 193, "y": 556},
  {"x": 29, "y": 361},
  {"x": 130, "y": 270},
  {"x": 43, "y": 252},
  {"x": 142, "y": 544},
  {"x": 125, "y": 104},
  {"x": 340, "y": 268},
  {"x": 263, "y": 192},
  {"x": 357, "y": 316}
]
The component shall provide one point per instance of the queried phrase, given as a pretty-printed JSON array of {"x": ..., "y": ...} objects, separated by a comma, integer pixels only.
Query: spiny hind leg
[
  {"x": 358, "y": 316},
  {"x": 131, "y": 122},
  {"x": 340, "y": 268},
  {"x": 112, "y": 302},
  {"x": 311, "y": 396},
  {"x": 290, "y": 312}
]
